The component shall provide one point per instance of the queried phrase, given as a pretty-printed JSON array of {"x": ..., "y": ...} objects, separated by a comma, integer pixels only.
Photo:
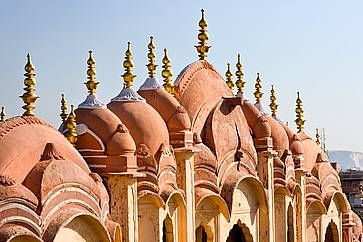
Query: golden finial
[
  {"x": 299, "y": 114},
  {"x": 63, "y": 113},
  {"x": 29, "y": 97},
  {"x": 167, "y": 73},
  {"x": 92, "y": 83},
  {"x": 273, "y": 104},
  {"x": 317, "y": 137},
  {"x": 128, "y": 64},
  {"x": 151, "y": 56},
  {"x": 229, "y": 75},
  {"x": 71, "y": 124},
  {"x": 240, "y": 83},
  {"x": 258, "y": 94},
  {"x": 203, "y": 37},
  {"x": 2, "y": 114}
]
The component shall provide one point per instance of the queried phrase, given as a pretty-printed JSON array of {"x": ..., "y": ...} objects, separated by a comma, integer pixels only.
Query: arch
[
  {"x": 168, "y": 231},
  {"x": 215, "y": 199},
  {"x": 83, "y": 228},
  {"x": 341, "y": 200},
  {"x": 239, "y": 233},
  {"x": 331, "y": 233},
  {"x": 290, "y": 224},
  {"x": 204, "y": 233},
  {"x": 315, "y": 209}
]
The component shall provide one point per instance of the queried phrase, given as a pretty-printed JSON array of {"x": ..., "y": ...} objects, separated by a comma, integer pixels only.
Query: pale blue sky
[{"x": 312, "y": 46}]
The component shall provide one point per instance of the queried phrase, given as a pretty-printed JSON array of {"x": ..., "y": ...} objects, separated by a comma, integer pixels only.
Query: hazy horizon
[{"x": 314, "y": 47}]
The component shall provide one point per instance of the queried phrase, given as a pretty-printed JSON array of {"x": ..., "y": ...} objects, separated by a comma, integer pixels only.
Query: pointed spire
[
  {"x": 29, "y": 97},
  {"x": 299, "y": 114},
  {"x": 317, "y": 136},
  {"x": 151, "y": 56},
  {"x": 167, "y": 73},
  {"x": 63, "y": 113},
  {"x": 2, "y": 114},
  {"x": 273, "y": 104},
  {"x": 203, "y": 37},
  {"x": 240, "y": 83},
  {"x": 229, "y": 76},
  {"x": 92, "y": 83},
  {"x": 258, "y": 94},
  {"x": 128, "y": 64},
  {"x": 71, "y": 124}
]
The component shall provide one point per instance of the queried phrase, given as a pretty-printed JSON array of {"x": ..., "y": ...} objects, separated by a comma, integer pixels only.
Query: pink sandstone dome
[
  {"x": 41, "y": 175},
  {"x": 144, "y": 122},
  {"x": 108, "y": 127}
]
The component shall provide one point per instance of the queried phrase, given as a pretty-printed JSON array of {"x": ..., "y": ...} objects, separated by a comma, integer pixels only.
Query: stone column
[
  {"x": 347, "y": 226},
  {"x": 265, "y": 155},
  {"x": 301, "y": 217},
  {"x": 185, "y": 181},
  {"x": 122, "y": 189}
]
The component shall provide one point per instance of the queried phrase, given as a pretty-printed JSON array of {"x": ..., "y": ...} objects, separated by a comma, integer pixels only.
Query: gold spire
[
  {"x": 2, "y": 114},
  {"x": 151, "y": 56},
  {"x": 71, "y": 133},
  {"x": 29, "y": 97},
  {"x": 167, "y": 73},
  {"x": 317, "y": 137},
  {"x": 240, "y": 83},
  {"x": 273, "y": 104},
  {"x": 258, "y": 94},
  {"x": 203, "y": 37},
  {"x": 128, "y": 64},
  {"x": 63, "y": 113},
  {"x": 299, "y": 114},
  {"x": 92, "y": 83},
  {"x": 229, "y": 75}
]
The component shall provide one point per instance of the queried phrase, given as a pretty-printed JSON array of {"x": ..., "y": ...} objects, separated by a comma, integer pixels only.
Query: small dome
[
  {"x": 108, "y": 127},
  {"x": 144, "y": 122},
  {"x": 23, "y": 139},
  {"x": 279, "y": 136},
  {"x": 175, "y": 115}
]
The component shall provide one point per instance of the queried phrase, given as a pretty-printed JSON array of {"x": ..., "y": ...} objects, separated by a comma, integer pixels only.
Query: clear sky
[{"x": 312, "y": 46}]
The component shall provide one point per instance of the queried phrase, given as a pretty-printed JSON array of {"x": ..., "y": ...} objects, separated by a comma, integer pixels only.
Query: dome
[
  {"x": 108, "y": 128},
  {"x": 311, "y": 151},
  {"x": 22, "y": 142},
  {"x": 174, "y": 115},
  {"x": 144, "y": 122},
  {"x": 278, "y": 135},
  {"x": 198, "y": 88}
]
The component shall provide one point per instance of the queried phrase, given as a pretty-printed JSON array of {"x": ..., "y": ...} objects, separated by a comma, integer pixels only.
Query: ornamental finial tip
[
  {"x": 63, "y": 113},
  {"x": 258, "y": 94},
  {"x": 240, "y": 83},
  {"x": 29, "y": 97},
  {"x": 151, "y": 56},
  {"x": 203, "y": 47},
  {"x": 299, "y": 114},
  {"x": 317, "y": 136},
  {"x": 92, "y": 83},
  {"x": 167, "y": 73},
  {"x": 128, "y": 64},
  {"x": 2, "y": 114},
  {"x": 71, "y": 133},
  {"x": 273, "y": 105},
  {"x": 229, "y": 76}
]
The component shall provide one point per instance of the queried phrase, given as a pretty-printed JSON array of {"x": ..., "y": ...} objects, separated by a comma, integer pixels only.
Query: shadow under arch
[
  {"x": 331, "y": 233},
  {"x": 204, "y": 233},
  {"x": 168, "y": 231},
  {"x": 239, "y": 233}
]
